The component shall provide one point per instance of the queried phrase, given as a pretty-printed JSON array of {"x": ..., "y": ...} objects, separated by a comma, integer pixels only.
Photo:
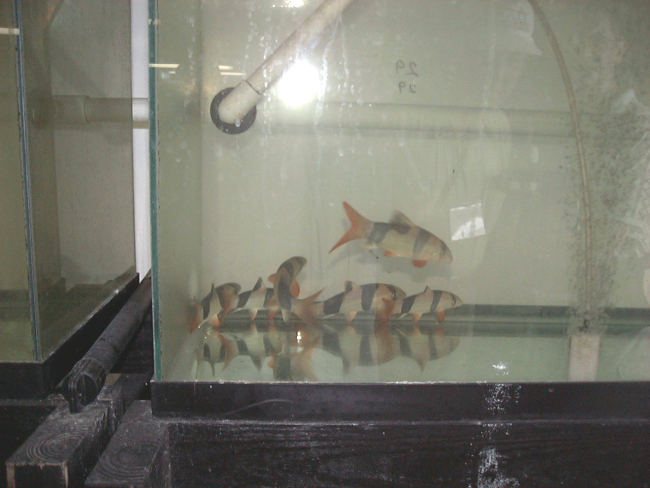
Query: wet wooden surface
[
  {"x": 137, "y": 456},
  {"x": 406, "y": 454}
]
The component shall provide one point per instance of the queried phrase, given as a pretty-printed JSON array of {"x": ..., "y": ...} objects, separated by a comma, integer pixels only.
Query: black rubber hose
[{"x": 87, "y": 377}]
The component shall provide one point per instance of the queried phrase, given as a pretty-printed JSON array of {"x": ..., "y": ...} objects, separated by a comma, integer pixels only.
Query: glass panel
[
  {"x": 15, "y": 325},
  {"x": 513, "y": 134},
  {"x": 77, "y": 83}
]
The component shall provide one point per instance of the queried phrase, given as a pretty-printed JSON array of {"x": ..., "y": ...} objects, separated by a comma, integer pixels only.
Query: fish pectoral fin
[
  {"x": 271, "y": 313},
  {"x": 271, "y": 278},
  {"x": 420, "y": 263},
  {"x": 253, "y": 313},
  {"x": 416, "y": 317},
  {"x": 214, "y": 320},
  {"x": 440, "y": 315},
  {"x": 381, "y": 314},
  {"x": 390, "y": 254},
  {"x": 398, "y": 217},
  {"x": 349, "y": 316}
]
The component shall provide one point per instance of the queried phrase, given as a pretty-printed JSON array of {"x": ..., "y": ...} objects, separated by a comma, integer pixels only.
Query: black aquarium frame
[
  {"x": 37, "y": 379},
  {"x": 407, "y": 402},
  {"x": 401, "y": 435}
]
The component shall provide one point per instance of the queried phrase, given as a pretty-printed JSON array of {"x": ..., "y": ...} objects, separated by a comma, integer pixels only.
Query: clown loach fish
[
  {"x": 399, "y": 237},
  {"x": 215, "y": 305},
  {"x": 357, "y": 298},
  {"x": 282, "y": 284},
  {"x": 259, "y": 298},
  {"x": 429, "y": 301}
]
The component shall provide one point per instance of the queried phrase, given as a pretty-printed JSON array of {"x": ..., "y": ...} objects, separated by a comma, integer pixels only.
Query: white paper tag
[{"x": 466, "y": 222}]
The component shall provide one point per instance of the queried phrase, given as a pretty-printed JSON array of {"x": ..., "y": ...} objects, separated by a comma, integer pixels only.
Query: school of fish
[
  {"x": 289, "y": 356},
  {"x": 292, "y": 361}
]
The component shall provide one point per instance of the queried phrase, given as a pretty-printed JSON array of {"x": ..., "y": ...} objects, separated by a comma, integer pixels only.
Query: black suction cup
[{"x": 245, "y": 124}]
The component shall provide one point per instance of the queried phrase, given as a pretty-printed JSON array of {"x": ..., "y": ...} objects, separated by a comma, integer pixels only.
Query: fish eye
[{"x": 453, "y": 300}]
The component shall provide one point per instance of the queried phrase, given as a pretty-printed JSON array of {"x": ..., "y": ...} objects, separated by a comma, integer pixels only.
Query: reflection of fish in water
[
  {"x": 259, "y": 298},
  {"x": 381, "y": 346},
  {"x": 220, "y": 347},
  {"x": 288, "y": 303},
  {"x": 357, "y": 299},
  {"x": 216, "y": 348},
  {"x": 399, "y": 237},
  {"x": 424, "y": 348},
  {"x": 294, "y": 365},
  {"x": 429, "y": 301},
  {"x": 215, "y": 305}
]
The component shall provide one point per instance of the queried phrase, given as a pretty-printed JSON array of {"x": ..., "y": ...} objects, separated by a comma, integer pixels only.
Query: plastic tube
[
  {"x": 79, "y": 109},
  {"x": 245, "y": 96},
  {"x": 427, "y": 118}
]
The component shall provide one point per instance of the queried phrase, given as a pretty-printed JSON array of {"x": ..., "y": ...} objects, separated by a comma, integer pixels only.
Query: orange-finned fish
[
  {"x": 289, "y": 303},
  {"x": 429, "y": 301},
  {"x": 215, "y": 305},
  {"x": 399, "y": 237},
  {"x": 357, "y": 299},
  {"x": 259, "y": 298}
]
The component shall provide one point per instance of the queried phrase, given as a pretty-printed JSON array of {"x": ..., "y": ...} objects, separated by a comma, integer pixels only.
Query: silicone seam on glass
[
  {"x": 153, "y": 182},
  {"x": 24, "y": 148}
]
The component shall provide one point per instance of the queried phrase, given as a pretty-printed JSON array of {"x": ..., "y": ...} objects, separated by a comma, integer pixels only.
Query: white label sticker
[{"x": 466, "y": 222}]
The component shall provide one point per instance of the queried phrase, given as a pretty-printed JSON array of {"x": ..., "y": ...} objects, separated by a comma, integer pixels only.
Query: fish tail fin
[
  {"x": 360, "y": 226},
  {"x": 304, "y": 308}
]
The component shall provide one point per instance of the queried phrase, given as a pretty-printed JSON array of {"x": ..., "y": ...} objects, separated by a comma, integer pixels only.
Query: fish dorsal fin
[
  {"x": 349, "y": 286},
  {"x": 258, "y": 284},
  {"x": 426, "y": 289},
  {"x": 399, "y": 218}
]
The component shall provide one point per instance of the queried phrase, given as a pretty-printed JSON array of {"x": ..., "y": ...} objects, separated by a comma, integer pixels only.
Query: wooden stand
[{"x": 64, "y": 448}]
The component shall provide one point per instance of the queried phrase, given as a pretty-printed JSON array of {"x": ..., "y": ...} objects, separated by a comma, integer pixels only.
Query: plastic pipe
[
  {"x": 429, "y": 118},
  {"x": 244, "y": 97},
  {"x": 80, "y": 109}
]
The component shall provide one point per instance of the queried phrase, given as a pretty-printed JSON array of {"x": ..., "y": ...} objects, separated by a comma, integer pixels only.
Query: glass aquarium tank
[
  {"x": 66, "y": 182},
  {"x": 373, "y": 191}
]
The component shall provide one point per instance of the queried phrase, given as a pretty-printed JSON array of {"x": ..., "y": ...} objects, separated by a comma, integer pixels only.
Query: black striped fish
[
  {"x": 259, "y": 298},
  {"x": 287, "y": 302},
  {"x": 357, "y": 299},
  {"x": 429, "y": 301},
  {"x": 215, "y": 305},
  {"x": 398, "y": 237}
]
